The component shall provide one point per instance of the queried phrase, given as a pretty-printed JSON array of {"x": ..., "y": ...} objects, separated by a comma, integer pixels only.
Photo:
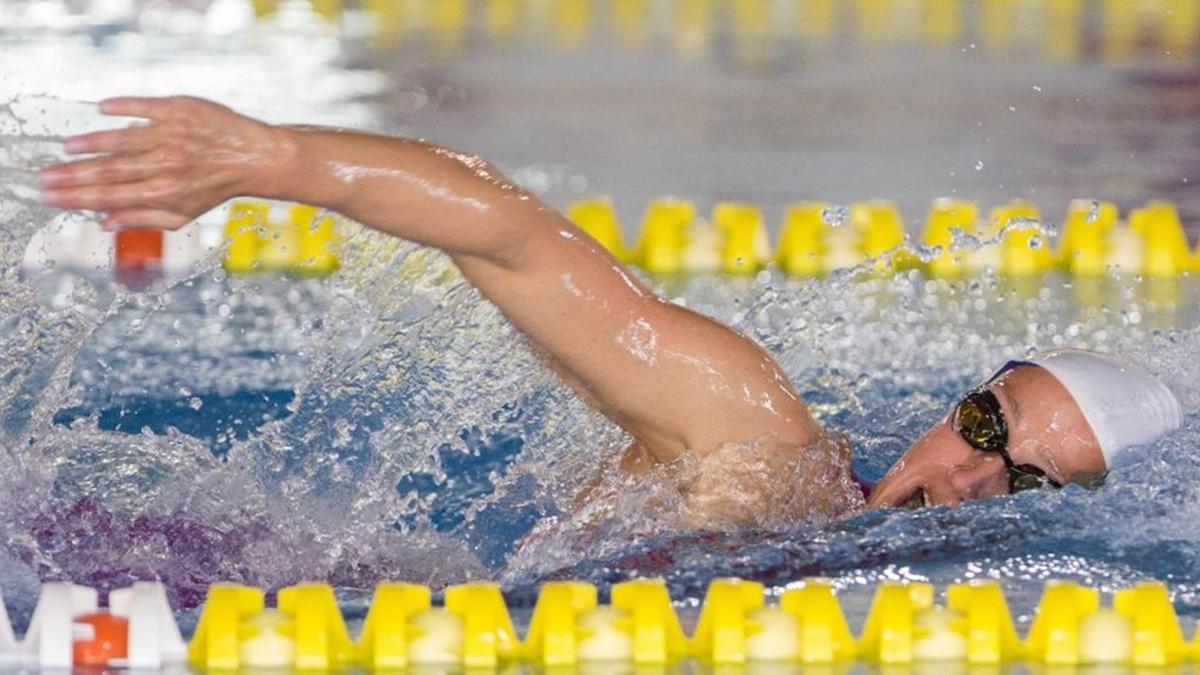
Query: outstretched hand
[{"x": 191, "y": 156}]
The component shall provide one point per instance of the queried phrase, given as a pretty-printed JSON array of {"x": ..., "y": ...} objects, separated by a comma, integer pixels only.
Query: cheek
[
  {"x": 933, "y": 454},
  {"x": 983, "y": 477},
  {"x": 925, "y": 464},
  {"x": 999, "y": 484}
]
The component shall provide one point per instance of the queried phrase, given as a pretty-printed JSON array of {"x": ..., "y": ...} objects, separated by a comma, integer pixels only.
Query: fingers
[
  {"x": 151, "y": 108},
  {"x": 104, "y": 170},
  {"x": 134, "y": 139},
  {"x": 151, "y": 193},
  {"x": 159, "y": 108},
  {"x": 156, "y": 218},
  {"x": 168, "y": 115}
]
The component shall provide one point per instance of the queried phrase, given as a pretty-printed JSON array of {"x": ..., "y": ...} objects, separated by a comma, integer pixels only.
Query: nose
[{"x": 980, "y": 476}]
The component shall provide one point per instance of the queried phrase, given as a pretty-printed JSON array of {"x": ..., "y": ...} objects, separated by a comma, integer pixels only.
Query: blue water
[
  {"x": 223, "y": 419},
  {"x": 486, "y": 484}
]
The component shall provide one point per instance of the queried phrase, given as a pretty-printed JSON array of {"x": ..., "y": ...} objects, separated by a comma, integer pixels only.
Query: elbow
[
  {"x": 515, "y": 245},
  {"x": 507, "y": 216}
]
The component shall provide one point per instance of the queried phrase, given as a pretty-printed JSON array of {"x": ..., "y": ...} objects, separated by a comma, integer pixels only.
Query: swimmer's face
[{"x": 1046, "y": 429}]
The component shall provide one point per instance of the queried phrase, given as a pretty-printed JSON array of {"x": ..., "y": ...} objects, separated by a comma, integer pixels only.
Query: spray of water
[{"x": 417, "y": 436}]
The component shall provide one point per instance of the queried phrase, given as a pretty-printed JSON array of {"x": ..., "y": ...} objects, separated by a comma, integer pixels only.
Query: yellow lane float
[
  {"x": 1121, "y": 29},
  {"x": 265, "y": 237},
  {"x": 737, "y": 625},
  {"x": 665, "y": 229},
  {"x": 802, "y": 240},
  {"x": 816, "y": 238},
  {"x": 597, "y": 218},
  {"x": 745, "y": 247},
  {"x": 948, "y": 222},
  {"x": 572, "y": 625}
]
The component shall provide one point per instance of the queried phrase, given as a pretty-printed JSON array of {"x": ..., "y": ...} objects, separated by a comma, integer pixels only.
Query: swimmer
[{"x": 686, "y": 389}]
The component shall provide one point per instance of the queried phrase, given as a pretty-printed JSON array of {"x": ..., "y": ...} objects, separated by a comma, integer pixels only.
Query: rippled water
[{"x": 387, "y": 423}]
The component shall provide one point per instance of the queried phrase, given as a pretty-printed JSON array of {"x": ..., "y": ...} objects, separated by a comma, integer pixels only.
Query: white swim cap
[{"x": 1125, "y": 404}]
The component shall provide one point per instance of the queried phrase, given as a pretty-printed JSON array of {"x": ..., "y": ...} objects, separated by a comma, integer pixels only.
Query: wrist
[{"x": 274, "y": 177}]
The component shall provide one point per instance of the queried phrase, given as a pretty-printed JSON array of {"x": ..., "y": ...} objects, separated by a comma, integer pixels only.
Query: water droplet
[{"x": 835, "y": 216}]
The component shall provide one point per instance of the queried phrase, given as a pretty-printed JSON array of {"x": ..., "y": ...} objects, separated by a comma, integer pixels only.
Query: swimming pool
[{"x": 385, "y": 423}]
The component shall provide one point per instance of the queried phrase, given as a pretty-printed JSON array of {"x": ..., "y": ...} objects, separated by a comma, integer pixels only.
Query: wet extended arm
[{"x": 674, "y": 379}]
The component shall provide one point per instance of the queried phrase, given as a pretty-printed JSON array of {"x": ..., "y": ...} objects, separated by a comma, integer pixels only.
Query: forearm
[
  {"x": 195, "y": 154},
  {"x": 414, "y": 190}
]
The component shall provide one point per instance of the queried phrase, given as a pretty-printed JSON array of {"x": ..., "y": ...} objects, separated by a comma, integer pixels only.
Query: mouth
[{"x": 918, "y": 499}]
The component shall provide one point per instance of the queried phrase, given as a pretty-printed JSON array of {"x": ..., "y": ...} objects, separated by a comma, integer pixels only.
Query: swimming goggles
[{"x": 979, "y": 420}]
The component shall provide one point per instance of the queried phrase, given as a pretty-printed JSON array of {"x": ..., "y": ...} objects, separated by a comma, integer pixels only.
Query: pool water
[{"x": 386, "y": 423}]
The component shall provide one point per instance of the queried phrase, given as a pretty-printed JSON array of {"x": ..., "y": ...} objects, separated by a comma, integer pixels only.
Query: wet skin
[
  {"x": 1046, "y": 428},
  {"x": 679, "y": 383}
]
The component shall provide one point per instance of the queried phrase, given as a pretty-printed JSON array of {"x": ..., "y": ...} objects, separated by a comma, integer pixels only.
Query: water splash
[
  {"x": 882, "y": 360},
  {"x": 387, "y": 422}
]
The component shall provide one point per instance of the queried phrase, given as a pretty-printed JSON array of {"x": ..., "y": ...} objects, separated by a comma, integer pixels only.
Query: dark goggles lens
[
  {"x": 1028, "y": 477},
  {"x": 979, "y": 420}
]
